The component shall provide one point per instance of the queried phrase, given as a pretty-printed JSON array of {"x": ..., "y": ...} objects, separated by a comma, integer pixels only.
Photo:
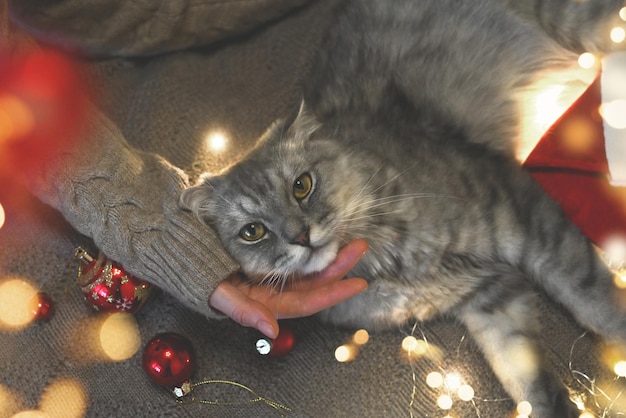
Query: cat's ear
[
  {"x": 196, "y": 199},
  {"x": 304, "y": 124}
]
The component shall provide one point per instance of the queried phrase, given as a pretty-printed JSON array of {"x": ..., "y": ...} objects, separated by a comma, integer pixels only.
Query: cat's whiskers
[
  {"x": 365, "y": 206},
  {"x": 364, "y": 188},
  {"x": 276, "y": 280}
]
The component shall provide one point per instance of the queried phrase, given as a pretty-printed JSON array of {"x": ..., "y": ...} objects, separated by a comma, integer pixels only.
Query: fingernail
[{"x": 267, "y": 329}]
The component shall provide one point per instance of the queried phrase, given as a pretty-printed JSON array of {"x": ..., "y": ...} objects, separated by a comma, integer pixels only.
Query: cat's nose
[{"x": 303, "y": 238}]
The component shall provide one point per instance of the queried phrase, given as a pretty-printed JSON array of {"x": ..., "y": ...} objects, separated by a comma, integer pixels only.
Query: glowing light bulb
[
  {"x": 414, "y": 347},
  {"x": 586, "y": 60},
  {"x": 444, "y": 402},
  {"x": 452, "y": 381},
  {"x": 216, "y": 141},
  {"x": 466, "y": 393},
  {"x": 409, "y": 343},
  {"x": 2, "y": 216},
  {"x": 620, "y": 368},
  {"x": 434, "y": 380},
  {"x": 586, "y": 414},
  {"x": 618, "y": 34}
]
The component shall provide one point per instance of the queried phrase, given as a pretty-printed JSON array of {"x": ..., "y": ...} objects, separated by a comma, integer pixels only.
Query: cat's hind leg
[{"x": 506, "y": 328}]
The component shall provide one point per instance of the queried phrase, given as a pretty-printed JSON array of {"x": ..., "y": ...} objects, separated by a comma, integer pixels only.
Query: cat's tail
[{"x": 579, "y": 26}]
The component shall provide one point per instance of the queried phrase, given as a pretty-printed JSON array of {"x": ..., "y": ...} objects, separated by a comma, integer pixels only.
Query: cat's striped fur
[{"x": 407, "y": 140}]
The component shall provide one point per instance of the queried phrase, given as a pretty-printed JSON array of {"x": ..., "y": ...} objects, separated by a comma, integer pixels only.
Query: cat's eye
[
  {"x": 302, "y": 186},
  {"x": 252, "y": 232}
]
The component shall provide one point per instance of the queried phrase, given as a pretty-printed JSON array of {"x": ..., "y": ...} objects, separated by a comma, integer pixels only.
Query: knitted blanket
[{"x": 163, "y": 96}]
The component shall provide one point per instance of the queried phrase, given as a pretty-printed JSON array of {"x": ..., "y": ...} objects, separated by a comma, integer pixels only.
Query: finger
[
  {"x": 294, "y": 304},
  {"x": 346, "y": 259},
  {"x": 229, "y": 300}
]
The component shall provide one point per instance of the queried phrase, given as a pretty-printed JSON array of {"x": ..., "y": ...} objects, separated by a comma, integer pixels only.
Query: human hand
[{"x": 260, "y": 306}]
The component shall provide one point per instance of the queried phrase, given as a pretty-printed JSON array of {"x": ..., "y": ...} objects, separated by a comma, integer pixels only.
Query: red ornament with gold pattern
[{"x": 107, "y": 287}]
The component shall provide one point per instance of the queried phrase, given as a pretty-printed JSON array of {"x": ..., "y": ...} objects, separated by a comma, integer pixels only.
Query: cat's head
[{"x": 280, "y": 210}]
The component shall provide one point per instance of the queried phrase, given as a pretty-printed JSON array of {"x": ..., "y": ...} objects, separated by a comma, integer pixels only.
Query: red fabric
[{"x": 569, "y": 162}]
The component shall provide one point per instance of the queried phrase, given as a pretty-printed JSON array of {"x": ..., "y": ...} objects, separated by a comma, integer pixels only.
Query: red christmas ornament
[
  {"x": 43, "y": 307},
  {"x": 169, "y": 359},
  {"x": 107, "y": 287},
  {"x": 279, "y": 346}
]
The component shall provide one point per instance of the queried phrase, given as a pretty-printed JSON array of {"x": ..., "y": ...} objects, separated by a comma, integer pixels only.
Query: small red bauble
[
  {"x": 107, "y": 287},
  {"x": 43, "y": 307},
  {"x": 279, "y": 346},
  {"x": 169, "y": 359}
]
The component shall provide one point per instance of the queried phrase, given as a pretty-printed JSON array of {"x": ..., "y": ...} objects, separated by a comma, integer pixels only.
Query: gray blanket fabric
[{"x": 166, "y": 74}]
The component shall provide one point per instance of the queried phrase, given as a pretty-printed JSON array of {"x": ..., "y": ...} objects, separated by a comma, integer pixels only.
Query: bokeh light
[
  {"x": 103, "y": 338},
  {"x": 466, "y": 393},
  {"x": 434, "y": 380},
  {"x": 618, "y": 34},
  {"x": 620, "y": 368},
  {"x": 620, "y": 281},
  {"x": 415, "y": 348},
  {"x": 586, "y": 60},
  {"x": 16, "y": 304},
  {"x": 16, "y": 118},
  {"x": 361, "y": 337},
  {"x": 452, "y": 381},
  {"x": 613, "y": 113},
  {"x": 345, "y": 353},
  {"x": 579, "y": 134},
  {"x": 64, "y": 398},
  {"x": 9, "y": 402},
  {"x": 444, "y": 401},
  {"x": 615, "y": 249},
  {"x": 622, "y": 13},
  {"x": 524, "y": 408},
  {"x": 119, "y": 336}
]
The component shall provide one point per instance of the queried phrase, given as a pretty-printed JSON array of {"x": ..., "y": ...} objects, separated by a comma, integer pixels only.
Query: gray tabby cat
[{"x": 407, "y": 140}]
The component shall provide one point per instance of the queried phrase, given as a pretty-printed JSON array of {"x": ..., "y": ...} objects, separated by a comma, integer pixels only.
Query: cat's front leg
[{"x": 507, "y": 332}]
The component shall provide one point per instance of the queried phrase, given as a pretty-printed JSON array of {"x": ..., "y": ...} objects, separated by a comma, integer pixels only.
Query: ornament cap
[
  {"x": 263, "y": 346},
  {"x": 279, "y": 346},
  {"x": 185, "y": 388}
]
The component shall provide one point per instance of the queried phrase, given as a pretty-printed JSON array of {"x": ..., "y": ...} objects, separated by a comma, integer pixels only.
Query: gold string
[{"x": 280, "y": 408}]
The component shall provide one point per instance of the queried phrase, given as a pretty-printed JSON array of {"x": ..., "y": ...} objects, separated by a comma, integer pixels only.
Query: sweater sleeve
[
  {"x": 144, "y": 27},
  {"x": 127, "y": 201}
]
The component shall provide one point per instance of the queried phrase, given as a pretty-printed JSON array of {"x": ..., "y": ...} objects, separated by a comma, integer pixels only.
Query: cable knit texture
[{"x": 144, "y": 27}]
